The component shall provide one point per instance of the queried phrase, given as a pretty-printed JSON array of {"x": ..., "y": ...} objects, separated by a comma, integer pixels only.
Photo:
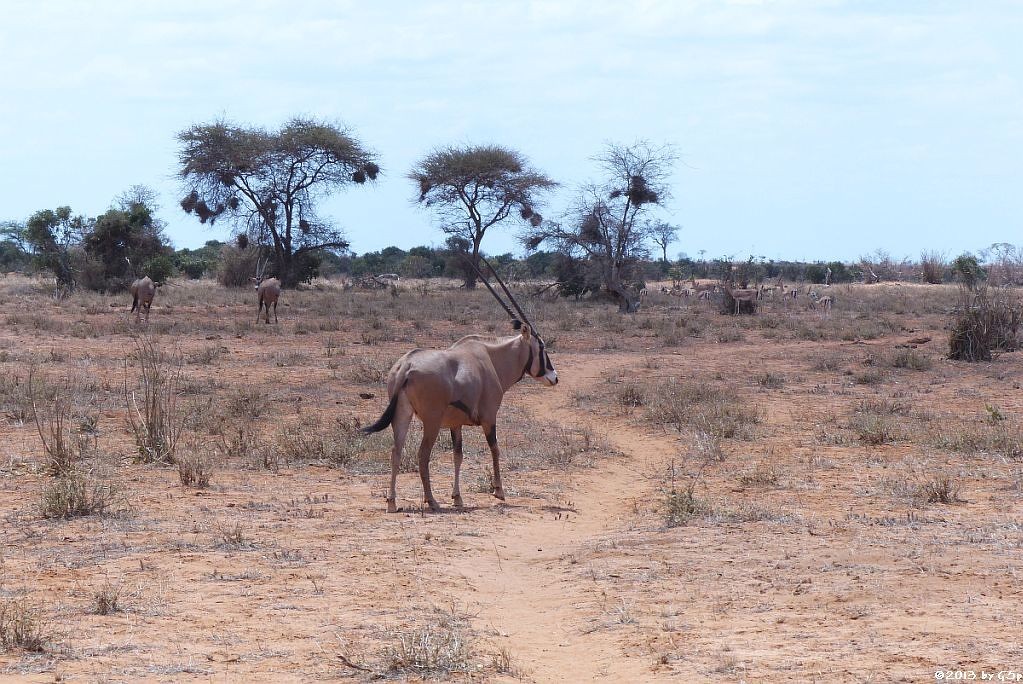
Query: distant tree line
[{"x": 267, "y": 186}]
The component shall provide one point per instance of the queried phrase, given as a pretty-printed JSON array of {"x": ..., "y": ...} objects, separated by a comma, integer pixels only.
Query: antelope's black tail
[{"x": 385, "y": 419}]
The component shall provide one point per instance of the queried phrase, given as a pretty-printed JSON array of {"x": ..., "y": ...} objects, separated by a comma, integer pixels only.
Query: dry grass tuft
[
  {"x": 703, "y": 407},
  {"x": 195, "y": 470},
  {"x": 942, "y": 489},
  {"x": 74, "y": 494},
  {"x": 432, "y": 651},
  {"x": 106, "y": 599},
  {"x": 154, "y": 416},
  {"x": 21, "y": 628},
  {"x": 53, "y": 413}
]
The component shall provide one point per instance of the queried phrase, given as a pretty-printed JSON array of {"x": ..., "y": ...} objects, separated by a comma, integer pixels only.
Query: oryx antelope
[
  {"x": 461, "y": 385},
  {"x": 142, "y": 290},
  {"x": 268, "y": 290}
]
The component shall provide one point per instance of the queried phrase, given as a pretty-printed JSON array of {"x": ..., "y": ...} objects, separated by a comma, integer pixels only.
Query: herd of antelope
[
  {"x": 751, "y": 295},
  {"x": 465, "y": 384}
]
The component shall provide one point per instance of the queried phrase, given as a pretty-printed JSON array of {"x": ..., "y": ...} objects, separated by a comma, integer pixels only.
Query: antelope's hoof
[
  {"x": 457, "y": 500},
  {"x": 392, "y": 507},
  {"x": 434, "y": 506},
  {"x": 499, "y": 493}
]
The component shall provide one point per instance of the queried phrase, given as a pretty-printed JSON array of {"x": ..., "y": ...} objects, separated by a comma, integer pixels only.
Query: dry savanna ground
[{"x": 754, "y": 498}]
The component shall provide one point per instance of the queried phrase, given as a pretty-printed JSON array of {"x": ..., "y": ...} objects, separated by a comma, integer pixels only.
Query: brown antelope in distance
[
  {"x": 750, "y": 295},
  {"x": 822, "y": 304},
  {"x": 142, "y": 290},
  {"x": 458, "y": 386},
  {"x": 268, "y": 290}
]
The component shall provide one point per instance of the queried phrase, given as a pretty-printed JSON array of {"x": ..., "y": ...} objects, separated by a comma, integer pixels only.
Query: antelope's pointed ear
[{"x": 516, "y": 324}]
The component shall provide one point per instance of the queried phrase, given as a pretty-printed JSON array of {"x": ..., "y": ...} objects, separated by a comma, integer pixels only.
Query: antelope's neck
[{"x": 509, "y": 358}]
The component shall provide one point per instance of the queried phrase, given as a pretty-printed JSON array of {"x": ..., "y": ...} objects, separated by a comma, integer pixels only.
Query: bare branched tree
[
  {"x": 269, "y": 182},
  {"x": 475, "y": 187},
  {"x": 605, "y": 222},
  {"x": 663, "y": 234}
]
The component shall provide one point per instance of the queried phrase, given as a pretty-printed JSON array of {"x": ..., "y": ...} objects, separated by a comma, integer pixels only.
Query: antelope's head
[
  {"x": 538, "y": 362},
  {"x": 260, "y": 273}
]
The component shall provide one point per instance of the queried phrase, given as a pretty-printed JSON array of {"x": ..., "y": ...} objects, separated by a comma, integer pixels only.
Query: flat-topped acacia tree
[
  {"x": 268, "y": 182},
  {"x": 475, "y": 187}
]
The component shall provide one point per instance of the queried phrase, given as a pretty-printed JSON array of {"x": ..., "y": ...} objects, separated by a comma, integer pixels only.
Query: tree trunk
[
  {"x": 470, "y": 274},
  {"x": 628, "y": 302}
]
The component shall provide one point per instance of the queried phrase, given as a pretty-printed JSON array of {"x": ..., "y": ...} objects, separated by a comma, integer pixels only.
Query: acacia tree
[
  {"x": 52, "y": 235},
  {"x": 268, "y": 183},
  {"x": 663, "y": 234},
  {"x": 478, "y": 186},
  {"x": 133, "y": 232},
  {"x": 605, "y": 222}
]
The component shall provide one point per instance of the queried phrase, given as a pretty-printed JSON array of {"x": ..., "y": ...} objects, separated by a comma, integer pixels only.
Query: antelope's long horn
[
  {"x": 504, "y": 287},
  {"x": 511, "y": 314}
]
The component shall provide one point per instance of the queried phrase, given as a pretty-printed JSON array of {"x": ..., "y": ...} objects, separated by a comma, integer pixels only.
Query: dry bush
[
  {"x": 231, "y": 536},
  {"x": 882, "y": 406},
  {"x": 247, "y": 402},
  {"x": 680, "y": 505},
  {"x": 985, "y": 321},
  {"x": 15, "y": 398},
  {"x": 237, "y": 266},
  {"x": 54, "y": 414},
  {"x": 769, "y": 380},
  {"x": 761, "y": 476},
  {"x": 207, "y": 355},
  {"x": 195, "y": 469},
  {"x": 74, "y": 493},
  {"x": 828, "y": 361},
  {"x": 368, "y": 371},
  {"x": 21, "y": 628},
  {"x": 106, "y": 599},
  {"x": 932, "y": 267},
  {"x": 942, "y": 489},
  {"x": 154, "y": 417},
  {"x": 874, "y": 428},
  {"x": 436, "y": 650},
  {"x": 1000, "y": 437},
  {"x": 911, "y": 359},
  {"x": 704, "y": 407},
  {"x": 561, "y": 446},
  {"x": 630, "y": 395},
  {"x": 340, "y": 446}
]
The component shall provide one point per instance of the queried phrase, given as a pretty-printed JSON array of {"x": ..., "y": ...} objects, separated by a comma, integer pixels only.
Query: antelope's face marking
[{"x": 541, "y": 367}]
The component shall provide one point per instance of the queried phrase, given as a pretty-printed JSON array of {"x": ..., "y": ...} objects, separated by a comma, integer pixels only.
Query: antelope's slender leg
[
  {"x": 259, "y": 310},
  {"x": 491, "y": 433},
  {"x": 430, "y": 431},
  {"x": 456, "y": 443},
  {"x": 399, "y": 428},
  {"x": 275, "y": 313}
]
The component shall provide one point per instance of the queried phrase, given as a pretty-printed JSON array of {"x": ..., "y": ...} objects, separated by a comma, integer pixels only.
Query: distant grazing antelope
[
  {"x": 142, "y": 290},
  {"x": 461, "y": 385},
  {"x": 268, "y": 290},
  {"x": 822, "y": 304},
  {"x": 700, "y": 289},
  {"x": 742, "y": 295}
]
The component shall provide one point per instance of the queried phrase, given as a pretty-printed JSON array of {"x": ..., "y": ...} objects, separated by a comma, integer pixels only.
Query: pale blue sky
[{"x": 806, "y": 129}]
